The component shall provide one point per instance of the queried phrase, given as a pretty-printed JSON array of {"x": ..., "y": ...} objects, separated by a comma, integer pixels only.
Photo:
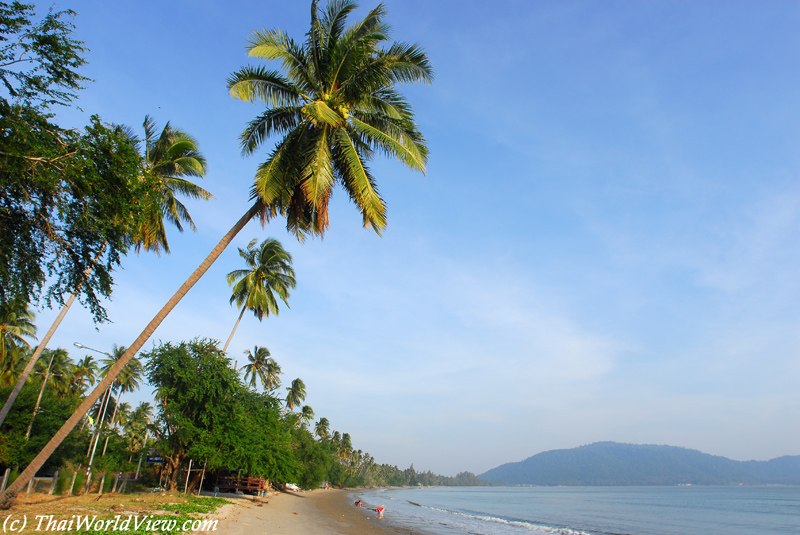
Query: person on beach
[{"x": 380, "y": 512}]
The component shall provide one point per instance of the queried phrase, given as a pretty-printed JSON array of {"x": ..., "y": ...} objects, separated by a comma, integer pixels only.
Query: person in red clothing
[{"x": 380, "y": 511}]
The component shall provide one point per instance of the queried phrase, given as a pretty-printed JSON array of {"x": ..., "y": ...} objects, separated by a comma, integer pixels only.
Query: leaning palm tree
[
  {"x": 296, "y": 394},
  {"x": 334, "y": 107},
  {"x": 166, "y": 161},
  {"x": 269, "y": 273}
]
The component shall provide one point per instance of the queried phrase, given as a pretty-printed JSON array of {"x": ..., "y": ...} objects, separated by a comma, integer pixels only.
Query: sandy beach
[{"x": 302, "y": 513}]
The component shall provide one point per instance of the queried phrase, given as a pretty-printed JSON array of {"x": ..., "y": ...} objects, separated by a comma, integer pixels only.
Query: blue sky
[{"x": 605, "y": 246}]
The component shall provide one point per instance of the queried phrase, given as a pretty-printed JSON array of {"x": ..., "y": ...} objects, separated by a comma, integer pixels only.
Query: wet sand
[{"x": 301, "y": 513}]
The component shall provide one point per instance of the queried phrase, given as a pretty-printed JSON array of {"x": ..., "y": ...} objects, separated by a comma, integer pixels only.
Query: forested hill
[{"x": 610, "y": 463}]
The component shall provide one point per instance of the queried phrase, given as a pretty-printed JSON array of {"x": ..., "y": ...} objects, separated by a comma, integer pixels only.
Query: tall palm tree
[
  {"x": 167, "y": 160},
  {"x": 338, "y": 92},
  {"x": 269, "y": 273},
  {"x": 296, "y": 394}
]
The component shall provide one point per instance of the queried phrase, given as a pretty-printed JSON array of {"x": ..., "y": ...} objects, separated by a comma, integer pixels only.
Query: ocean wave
[{"x": 530, "y": 526}]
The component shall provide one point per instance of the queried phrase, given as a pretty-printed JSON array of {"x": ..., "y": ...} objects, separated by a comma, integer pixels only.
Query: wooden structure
[{"x": 236, "y": 481}]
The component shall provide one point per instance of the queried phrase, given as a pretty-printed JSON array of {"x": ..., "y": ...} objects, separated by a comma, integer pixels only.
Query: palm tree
[
  {"x": 60, "y": 369},
  {"x": 127, "y": 381},
  {"x": 84, "y": 374},
  {"x": 61, "y": 360},
  {"x": 167, "y": 160},
  {"x": 16, "y": 324},
  {"x": 261, "y": 368},
  {"x": 345, "y": 447},
  {"x": 335, "y": 105},
  {"x": 295, "y": 394},
  {"x": 306, "y": 414},
  {"x": 136, "y": 427},
  {"x": 338, "y": 92},
  {"x": 16, "y": 359},
  {"x": 322, "y": 429},
  {"x": 269, "y": 272},
  {"x": 272, "y": 373},
  {"x": 123, "y": 415}
]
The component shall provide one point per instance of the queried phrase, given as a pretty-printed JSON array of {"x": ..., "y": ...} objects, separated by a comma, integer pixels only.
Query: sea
[{"x": 681, "y": 510}]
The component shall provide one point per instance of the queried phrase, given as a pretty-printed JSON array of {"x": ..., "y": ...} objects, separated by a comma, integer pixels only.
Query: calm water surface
[{"x": 593, "y": 510}]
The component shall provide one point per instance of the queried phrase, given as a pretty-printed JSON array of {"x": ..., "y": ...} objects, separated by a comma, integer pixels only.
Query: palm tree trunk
[
  {"x": 101, "y": 414},
  {"x": 7, "y": 498},
  {"x": 225, "y": 349},
  {"x": 43, "y": 344},
  {"x": 39, "y": 399},
  {"x": 113, "y": 415}
]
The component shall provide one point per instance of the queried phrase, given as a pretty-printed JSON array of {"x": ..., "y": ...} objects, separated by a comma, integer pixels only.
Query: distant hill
[{"x": 610, "y": 463}]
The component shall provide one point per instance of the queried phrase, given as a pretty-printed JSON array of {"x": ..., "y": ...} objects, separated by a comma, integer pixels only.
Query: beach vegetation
[
  {"x": 73, "y": 202},
  {"x": 334, "y": 105}
]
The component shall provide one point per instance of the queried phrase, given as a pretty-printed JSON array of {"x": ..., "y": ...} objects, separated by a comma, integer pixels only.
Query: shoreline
[{"x": 317, "y": 512}]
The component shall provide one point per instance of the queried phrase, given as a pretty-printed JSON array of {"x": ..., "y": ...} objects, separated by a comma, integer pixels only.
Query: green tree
[
  {"x": 344, "y": 98},
  {"x": 68, "y": 201},
  {"x": 39, "y": 62},
  {"x": 207, "y": 413},
  {"x": 165, "y": 162},
  {"x": 269, "y": 273},
  {"x": 53, "y": 408}
]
